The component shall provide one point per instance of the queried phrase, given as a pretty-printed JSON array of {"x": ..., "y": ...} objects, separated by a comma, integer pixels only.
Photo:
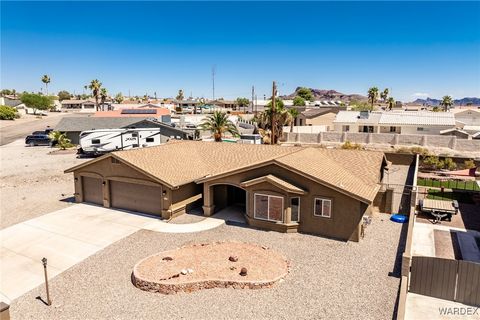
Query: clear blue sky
[{"x": 410, "y": 47}]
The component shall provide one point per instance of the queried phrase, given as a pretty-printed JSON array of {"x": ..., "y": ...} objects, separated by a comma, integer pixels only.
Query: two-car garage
[
  {"x": 142, "y": 197},
  {"x": 136, "y": 197}
]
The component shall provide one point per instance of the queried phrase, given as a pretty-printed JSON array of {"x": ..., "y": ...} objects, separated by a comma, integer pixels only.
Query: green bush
[
  {"x": 449, "y": 164},
  {"x": 8, "y": 113},
  {"x": 469, "y": 164},
  {"x": 61, "y": 139},
  {"x": 432, "y": 162}
]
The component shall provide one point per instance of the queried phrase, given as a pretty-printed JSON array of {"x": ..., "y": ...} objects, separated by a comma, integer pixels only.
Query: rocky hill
[
  {"x": 457, "y": 102},
  {"x": 320, "y": 94}
]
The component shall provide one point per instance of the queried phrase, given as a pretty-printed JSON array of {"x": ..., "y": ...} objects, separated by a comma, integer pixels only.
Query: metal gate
[
  {"x": 434, "y": 277},
  {"x": 454, "y": 280}
]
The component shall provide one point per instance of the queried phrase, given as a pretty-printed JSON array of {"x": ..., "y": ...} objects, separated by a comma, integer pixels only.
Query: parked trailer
[{"x": 96, "y": 142}]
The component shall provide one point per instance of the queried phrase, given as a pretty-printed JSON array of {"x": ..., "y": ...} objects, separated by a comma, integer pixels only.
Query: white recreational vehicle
[{"x": 95, "y": 142}]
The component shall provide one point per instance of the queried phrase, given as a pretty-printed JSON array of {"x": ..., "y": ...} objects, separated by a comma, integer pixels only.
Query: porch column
[
  {"x": 208, "y": 205},
  {"x": 288, "y": 215}
]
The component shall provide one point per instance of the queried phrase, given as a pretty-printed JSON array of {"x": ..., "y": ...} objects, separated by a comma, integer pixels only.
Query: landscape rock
[{"x": 243, "y": 272}]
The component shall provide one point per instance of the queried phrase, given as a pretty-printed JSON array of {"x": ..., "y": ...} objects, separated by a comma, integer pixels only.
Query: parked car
[{"x": 39, "y": 138}]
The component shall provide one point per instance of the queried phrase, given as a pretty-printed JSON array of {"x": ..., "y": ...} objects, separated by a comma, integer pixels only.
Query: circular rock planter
[{"x": 210, "y": 265}]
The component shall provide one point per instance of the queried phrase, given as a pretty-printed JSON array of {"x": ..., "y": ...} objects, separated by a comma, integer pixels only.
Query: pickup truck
[{"x": 39, "y": 138}]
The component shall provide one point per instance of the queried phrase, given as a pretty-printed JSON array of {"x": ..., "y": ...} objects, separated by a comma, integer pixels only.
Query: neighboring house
[
  {"x": 72, "y": 126},
  {"x": 468, "y": 117},
  {"x": 157, "y": 113},
  {"x": 317, "y": 117},
  {"x": 459, "y": 133},
  {"x": 186, "y": 103},
  {"x": 78, "y": 105},
  {"x": 288, "y": 189},
  {"x": 411, "y": 122},
  {"x": 10, "y": 101},
  {"x": 225, "y": 104}
]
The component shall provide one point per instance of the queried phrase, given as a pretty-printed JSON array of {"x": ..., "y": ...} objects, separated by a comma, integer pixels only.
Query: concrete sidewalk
[{"x": 68, "y": 236}]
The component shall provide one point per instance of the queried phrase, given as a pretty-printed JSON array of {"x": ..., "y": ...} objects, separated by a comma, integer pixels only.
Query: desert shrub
[
  {"x": 8, "y": 113},
  {"x": 449, "y": 164},
  {"x": 351, "y": 146},
  {"x": 469, "y": 164},
  {"x": 423, "y": 152},
  {"x": 431, "y": 162},
  {"x": 60, "y": 139}
]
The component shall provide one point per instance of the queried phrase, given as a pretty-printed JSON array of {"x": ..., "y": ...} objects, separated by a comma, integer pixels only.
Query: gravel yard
[
  {"x": 328, "y": 279},
  {"x": 32, "y": 181}
]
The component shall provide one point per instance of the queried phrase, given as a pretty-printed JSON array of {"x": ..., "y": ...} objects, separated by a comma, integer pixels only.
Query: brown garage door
[
  {"x": 92, "y": 190},
  {"x": 136, "y": 197}
]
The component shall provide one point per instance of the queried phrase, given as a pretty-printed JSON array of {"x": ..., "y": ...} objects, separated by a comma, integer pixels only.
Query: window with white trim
[
  {"x": 295, "y": 209},
  {"x": 267, "y": 207},
  {"x": 322, "y": 208}
]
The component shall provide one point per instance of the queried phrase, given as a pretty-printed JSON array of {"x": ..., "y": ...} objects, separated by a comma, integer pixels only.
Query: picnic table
[{"x": 439, "y": 208}]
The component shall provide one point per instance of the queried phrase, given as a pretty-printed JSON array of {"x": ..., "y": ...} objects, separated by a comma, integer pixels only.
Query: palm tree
[
  {"x": 391, "y": 103},
  {"x": 280, "y": 116},
  {"x": 384, "y": 94},
  {"x": 46, "y": 80},
  {"x": 446, "y": 103},
  {"x": 293, "y": 113},
  {"x": 218, "y": 123},
  {"x": 95, "y": 86},
  {"x": 103, "y": 96},
  {"x": 372, "y": 95}
]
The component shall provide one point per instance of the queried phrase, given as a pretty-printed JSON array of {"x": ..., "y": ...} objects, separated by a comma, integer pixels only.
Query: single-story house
[
  {"x": 73, "y": 126},
  {"x": 403, "y": 122},
  {"x": 317, "y": 117},
  {"x": 157, "y": 113},
  {"x": 75, "y": 104},
  {"x": 288, "y": 189}
]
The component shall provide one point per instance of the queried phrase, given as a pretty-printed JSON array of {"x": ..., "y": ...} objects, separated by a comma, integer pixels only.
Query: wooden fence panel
[
  {"x": 468, "y": 283},
  {"x": 434, "y": 277}
]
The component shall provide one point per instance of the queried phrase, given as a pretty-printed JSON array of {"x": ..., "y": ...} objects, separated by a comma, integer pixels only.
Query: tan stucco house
[{"x": 287, "y": 189}]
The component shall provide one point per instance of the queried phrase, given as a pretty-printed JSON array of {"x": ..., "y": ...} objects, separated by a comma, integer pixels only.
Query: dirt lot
[
  {"x": 328, "y": 279},
  {"x": 32, "y": 182}
]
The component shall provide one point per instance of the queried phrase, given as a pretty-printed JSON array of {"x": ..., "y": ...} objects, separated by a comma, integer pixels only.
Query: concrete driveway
[{"x": 67, "y": 237}]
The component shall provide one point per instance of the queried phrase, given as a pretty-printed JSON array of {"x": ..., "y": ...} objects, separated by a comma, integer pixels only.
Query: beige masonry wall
[{"x": 451, "y": 142}]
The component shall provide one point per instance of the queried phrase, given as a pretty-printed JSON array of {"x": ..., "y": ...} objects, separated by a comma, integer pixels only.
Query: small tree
[
  {"x": 95, "y": 86},
  {"x": 351, "y": 146},
  {"x": 293, "y": 113},
  {"x": 218, "y": 123},
  {"x": 180, "y": 95},
  {"x": 298, "y": 101},
  {"x": 372, "y": 95},
  {"x": 446, "y": 103},
  {"x": 119, "y": 98},
  {"x": 64, "y": 95},
  {"x": 384, "y": 94},
  {"x": 36, "y": 101},
  {"x": 391, "y": 103},
  {"x": 60, "y": 139},
  {"x": 305, "y": 93},
  {"x": 243, "y": 102},
  {"x": 103, "y": 96},
  {"x": 431, "y": 162},
  {"x": 46, "y": 81}
]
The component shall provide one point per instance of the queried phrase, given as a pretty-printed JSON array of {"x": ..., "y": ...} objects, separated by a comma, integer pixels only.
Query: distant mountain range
[
  {"x": 457, "y": 102},
  {"x": 328, "y": 95}
]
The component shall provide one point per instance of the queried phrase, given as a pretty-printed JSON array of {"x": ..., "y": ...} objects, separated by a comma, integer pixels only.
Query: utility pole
[
  {"x": 253, "y": 95},
  {"x": 272, "y": 114},
  {"x": 213, "y": 83}
]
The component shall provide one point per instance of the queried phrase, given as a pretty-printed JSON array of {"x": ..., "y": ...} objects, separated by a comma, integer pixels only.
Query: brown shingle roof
[
  {"x": 180, "y": 162},
  {"x": 353, "y": 172},
  {"x": 275, "y": 181}
]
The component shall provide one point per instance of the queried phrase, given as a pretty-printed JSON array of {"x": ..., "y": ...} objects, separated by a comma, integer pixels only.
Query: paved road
[
  {"x": 70, "y": 235},
  {"x": 16, "y": 131}
]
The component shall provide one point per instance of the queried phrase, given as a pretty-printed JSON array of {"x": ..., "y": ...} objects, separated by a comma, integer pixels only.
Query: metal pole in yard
[{"x": 44, "y": 262}]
